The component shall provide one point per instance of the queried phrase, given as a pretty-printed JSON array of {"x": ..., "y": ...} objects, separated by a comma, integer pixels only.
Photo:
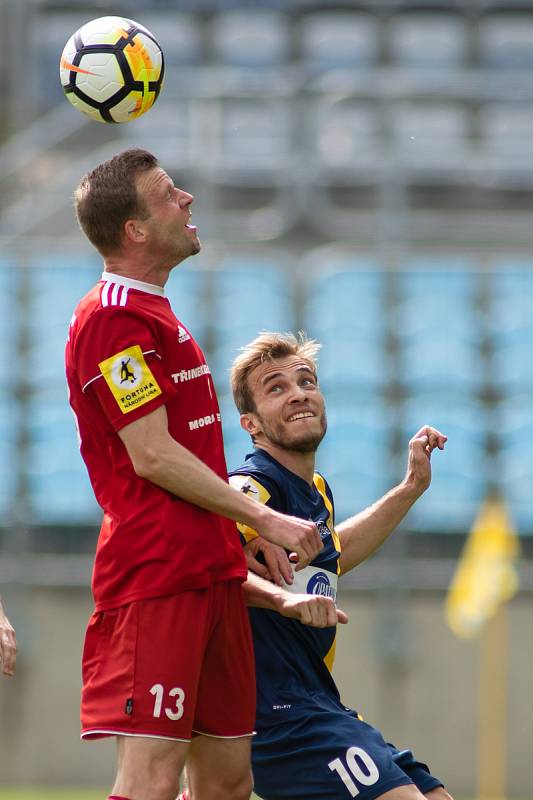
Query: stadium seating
[
  {"x": 507, "y": 145},
  {"x": 237, "y": 443},
  {"x": 247, "y": 296},
  {"x": 438, "y": 327},
  {"x": 59, "y": 489},
  {"x": 58, "y": 282},
  {"x": 515, "y": 467},
  {"x": 10, "y": 322},
  {"x": 345, "y": 311},
  {"x": 246, "y": 38},
  {"x": 511, "y": 327},
  {"x": 330, "y": 40},
  {"x": 186, "y": 291},
  {"x": 460, "y": 473},
  {"x": 355, "y": 454},
  {"x": 431, "y": 40},
  {"x": 431, "y": 139},
  {"x": 10, "y": 414},
  {"x": 344, "y": 138},
  {"x": 506, "y": 42}
]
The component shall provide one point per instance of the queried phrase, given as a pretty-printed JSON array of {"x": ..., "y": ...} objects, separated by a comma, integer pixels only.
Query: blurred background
[{"x": 362, "y": 171}]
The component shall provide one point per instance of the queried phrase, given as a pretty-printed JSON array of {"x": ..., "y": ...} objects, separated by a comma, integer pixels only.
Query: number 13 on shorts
[
  {"x": 174, "y": 710},
  {"x": 357, "y": 767}
]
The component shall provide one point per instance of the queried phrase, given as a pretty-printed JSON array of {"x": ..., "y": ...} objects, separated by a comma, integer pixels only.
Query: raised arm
[
  {"x": 365, "y": 532},
  {"x": 159, "y": 458}
]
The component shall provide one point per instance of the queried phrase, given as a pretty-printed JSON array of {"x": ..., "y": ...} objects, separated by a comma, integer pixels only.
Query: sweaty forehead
[{"x": 286, "y": 366}]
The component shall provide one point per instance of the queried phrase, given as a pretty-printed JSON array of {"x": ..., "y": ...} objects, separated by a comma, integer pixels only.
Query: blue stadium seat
[
  {"x": 248, "y": 296},
  {"x": 438, "y": 327},
  {"x": 57, "y": 283},
  {"x": 345, "y": 292},
  {"x": 10, "y": 320},
  {"x": 186, "y": 292},
  {"x": 338, "y": 40},
  {"x": 510, "y": 323},
  {"x": 506, "y": 42},
  {"x": 263, "y": 145},
  {"x": 461, "y": 472},
  {"x": 354, "y": 456},
  {"x": 59, "y": 488},
  {"x": 515, "y": 466},
  {"x": 345, "y": 137},
  {"x": 250, "y": 38},
  {"x": 432, "y": 138},
  {"x": 430, "y": 40},
  {"x": 9, "y": 461},
  {"x": 237, "y": 443},
  {"x": 507, "y": 130},
  {"x": 351, "y": 360},
  {"x": 345, "y": 310},
  {"x": 511, "y": 309}
]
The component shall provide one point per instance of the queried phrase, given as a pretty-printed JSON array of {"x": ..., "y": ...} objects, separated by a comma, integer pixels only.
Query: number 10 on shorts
[
  {"x": 176, "y": 697},
  {"x": 365, "y": 772}
]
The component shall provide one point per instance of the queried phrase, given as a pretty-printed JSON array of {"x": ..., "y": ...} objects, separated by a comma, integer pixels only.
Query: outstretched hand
[{"x": 421, "y": 446}]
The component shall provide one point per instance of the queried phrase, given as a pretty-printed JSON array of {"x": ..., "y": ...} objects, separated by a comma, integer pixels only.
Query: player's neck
[
  {"x": 302, "y": 464},
  {"x": 138, "y": 270}
]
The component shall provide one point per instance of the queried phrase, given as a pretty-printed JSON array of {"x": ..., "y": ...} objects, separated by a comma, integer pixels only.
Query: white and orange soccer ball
[{"x": 112, "y": 69}]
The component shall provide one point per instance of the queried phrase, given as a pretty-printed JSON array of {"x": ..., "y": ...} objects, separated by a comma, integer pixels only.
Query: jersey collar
[{"x": 130, "y": 283}]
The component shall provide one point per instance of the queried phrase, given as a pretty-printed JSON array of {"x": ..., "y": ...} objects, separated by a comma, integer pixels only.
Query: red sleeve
[{"x": 119, "y": 359}]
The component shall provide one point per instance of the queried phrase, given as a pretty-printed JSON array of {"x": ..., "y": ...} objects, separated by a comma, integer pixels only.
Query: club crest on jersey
[
  {"x": 320, "y": 583},
  {"x": 130, "y": 379},
  {"x": 183, "y": 336}
]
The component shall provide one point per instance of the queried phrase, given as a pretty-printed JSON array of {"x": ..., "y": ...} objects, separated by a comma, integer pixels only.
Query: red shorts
[{"x": 169, "y": 667}]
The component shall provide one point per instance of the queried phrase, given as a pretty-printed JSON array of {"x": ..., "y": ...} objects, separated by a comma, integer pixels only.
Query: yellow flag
[{"x": 485, "y": 576}]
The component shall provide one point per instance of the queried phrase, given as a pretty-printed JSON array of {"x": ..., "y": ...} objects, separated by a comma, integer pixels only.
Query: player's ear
[
  {"x": 134, "y": 231},
  {"x": 250, "y": 424}
]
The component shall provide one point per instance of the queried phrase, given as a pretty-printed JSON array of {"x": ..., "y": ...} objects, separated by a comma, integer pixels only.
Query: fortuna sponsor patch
[{"x": 130, "y": 379}]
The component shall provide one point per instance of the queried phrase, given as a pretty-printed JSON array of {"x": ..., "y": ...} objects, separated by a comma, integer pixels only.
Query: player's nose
[{"x": 185, "y": 199}]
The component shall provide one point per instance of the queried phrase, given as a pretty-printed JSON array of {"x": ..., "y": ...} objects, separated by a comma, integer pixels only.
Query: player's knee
[
  {"x": 164, "y": 785},
  {"x": 236, "y": 787}
]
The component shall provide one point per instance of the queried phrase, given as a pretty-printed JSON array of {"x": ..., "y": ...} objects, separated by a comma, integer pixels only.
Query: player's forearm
[
  {"x": 260, "y": 593},
  {"x": 362, "y": 534},
  {"x": 174, "y": 468}
]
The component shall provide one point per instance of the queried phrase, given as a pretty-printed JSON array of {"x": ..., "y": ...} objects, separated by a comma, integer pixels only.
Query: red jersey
[{"x": 126, "y": 355}]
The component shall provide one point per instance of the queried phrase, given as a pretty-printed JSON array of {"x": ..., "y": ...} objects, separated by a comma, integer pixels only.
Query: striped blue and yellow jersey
[{"x": 293, "y": 661}]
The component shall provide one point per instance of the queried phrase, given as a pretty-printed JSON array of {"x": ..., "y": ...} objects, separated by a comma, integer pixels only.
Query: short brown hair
[
  {"x": 267, "y": 347},
  {"x": 106, "y": 198}
]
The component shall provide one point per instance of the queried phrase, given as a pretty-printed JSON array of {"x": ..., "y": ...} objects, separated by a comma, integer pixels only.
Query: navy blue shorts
[{"x": 331, "y": 754}]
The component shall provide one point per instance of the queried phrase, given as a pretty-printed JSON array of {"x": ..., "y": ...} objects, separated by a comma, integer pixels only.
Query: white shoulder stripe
[
  {"x": 104, "y": 294},
  {"x": 113, "y": 294}
]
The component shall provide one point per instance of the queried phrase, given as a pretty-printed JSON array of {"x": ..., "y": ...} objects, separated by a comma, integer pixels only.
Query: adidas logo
[{"x": 183, "y": 336}]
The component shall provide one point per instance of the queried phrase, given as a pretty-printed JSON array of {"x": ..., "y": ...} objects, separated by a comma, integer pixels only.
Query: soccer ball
[{"x": 112, "y": 69}]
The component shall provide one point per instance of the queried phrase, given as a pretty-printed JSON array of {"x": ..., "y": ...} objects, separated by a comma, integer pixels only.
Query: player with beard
[{"x": 308, "y": 744}]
